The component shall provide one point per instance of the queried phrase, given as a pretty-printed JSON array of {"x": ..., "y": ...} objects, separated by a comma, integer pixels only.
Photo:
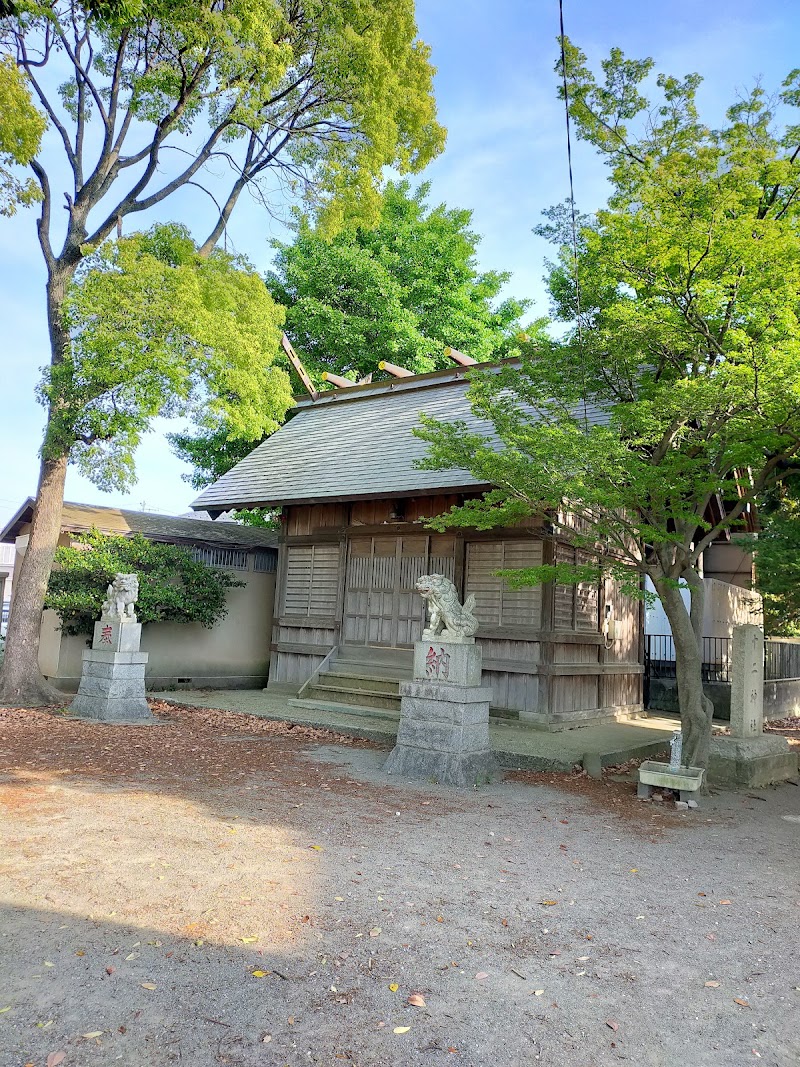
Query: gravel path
[{"x": 224, "y": 890}]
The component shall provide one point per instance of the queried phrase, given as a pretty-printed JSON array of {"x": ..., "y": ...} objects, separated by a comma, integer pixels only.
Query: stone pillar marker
[
  {"x": 747, "y": 681},
  {"x": 112, "y": 673},
  {"x": 444, "y": 712}
]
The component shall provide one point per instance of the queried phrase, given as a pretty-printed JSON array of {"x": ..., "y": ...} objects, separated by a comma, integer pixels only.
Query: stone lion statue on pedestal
[
  {"x": 448, "y": 619},
  {"x": 121, "y": 596}
]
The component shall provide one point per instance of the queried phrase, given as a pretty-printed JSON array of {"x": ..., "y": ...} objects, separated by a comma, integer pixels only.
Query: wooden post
[
  {"x": 459, "y": 357},
  {"x": 298, "y": 366},
  {"x": 398, "y": 372},
  {"x": 337, "y": 379}
]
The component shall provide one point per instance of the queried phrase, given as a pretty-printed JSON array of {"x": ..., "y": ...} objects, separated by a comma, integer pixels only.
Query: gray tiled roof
[
  {"x": 351, "y": 443},
  {"x": 345, "y": 446},
  {"x": 155, "y": 527}
]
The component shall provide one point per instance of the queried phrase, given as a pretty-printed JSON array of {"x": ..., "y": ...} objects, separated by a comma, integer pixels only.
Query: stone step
[
  {"x": 376, "y": 656},
  {"x": 370, "y": 698},
  {"x": 335, "y": 708},
  {"x": 362, "y": 679}
]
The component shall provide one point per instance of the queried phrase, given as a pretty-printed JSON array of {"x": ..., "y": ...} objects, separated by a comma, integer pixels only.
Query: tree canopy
[
  {"x": 402, "y": 290},
  {"x": 157, "y": 329},
  {"x": 173, "y": 587},
  {"x": 672, "y": 403},
  {"x": 289, "y": 99}
]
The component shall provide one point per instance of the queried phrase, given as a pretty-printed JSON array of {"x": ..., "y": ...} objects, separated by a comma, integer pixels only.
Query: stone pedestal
[
  {"x": 749, "y": 757},
  {"x": 112, "y": 675},
  {"x": 444, "y": 717}
]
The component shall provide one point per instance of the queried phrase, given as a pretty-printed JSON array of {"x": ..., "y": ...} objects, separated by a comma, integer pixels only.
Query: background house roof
[
  {"x": 79, "y": 517},
  {"x": 353, "y": 443}
]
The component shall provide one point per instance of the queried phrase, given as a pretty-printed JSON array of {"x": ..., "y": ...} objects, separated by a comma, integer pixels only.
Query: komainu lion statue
[
  {"x": 120, "y": 597},
  {"x": 447, "y": 617}
]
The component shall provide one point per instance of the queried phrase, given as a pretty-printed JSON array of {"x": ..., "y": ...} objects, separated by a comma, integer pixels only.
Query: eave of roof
[{"x": 78, "y": 518}]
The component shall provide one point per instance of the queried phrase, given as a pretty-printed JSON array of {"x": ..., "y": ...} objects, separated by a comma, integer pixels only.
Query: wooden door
[{"x": 381, "y": 604}]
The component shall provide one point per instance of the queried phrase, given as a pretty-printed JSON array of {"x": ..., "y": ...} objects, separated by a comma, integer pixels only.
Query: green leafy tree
[
  {"x": 402, "y": 290},
  {"x": 777, "y": 558},
  {"x": 143, "y": 100},
  {"x": 21, "y": 130},
  {"x": 677, "y": 384},
  {"x": 173, "y": 586}
]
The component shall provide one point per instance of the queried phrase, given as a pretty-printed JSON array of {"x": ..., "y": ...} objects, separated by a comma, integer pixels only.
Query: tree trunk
[
  {"x": 696, "y": 711},
  {"x": 21, "y": 681}
]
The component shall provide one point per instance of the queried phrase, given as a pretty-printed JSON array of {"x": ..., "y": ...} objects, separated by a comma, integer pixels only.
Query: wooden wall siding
[
  {"x": 619, "y": 690},
  {"x": 414, "y": 509},
  {"x": 572, "y": 695},
  {"x": 514, "y": 692},
  {"x": 381, "y": 604},
  {"x": 496, "y": 604},
  {"x": 575, "y": 607},
  {"x": 575, "y": 653},
  {"x": 625, "y": 647},
  {"x": 304, "y": 519},
  {"x": 312, "y": 580}
]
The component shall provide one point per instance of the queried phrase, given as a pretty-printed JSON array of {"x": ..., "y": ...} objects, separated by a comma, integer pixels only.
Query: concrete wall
[
  {"x": 232, "y": 655},
  {"x": 782, "y": 698},
  {"x": 726, "y": 606}
]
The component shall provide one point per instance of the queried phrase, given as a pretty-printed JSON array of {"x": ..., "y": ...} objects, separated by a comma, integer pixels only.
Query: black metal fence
[{"x": 781, "y": 658}]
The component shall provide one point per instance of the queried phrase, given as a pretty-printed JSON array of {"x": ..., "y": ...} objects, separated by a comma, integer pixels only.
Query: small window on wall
[
  {"x": 575, "y": 607},
  {"x": 230, "y": 559},
  {"x": 496, "y": 603},
  {"x": 312, "y": 580}
]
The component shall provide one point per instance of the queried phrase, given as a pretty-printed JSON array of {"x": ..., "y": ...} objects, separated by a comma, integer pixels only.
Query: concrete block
[
  {"x": 455, "y": 662},
  {"x": 446, "y": 768},
  {"x": 751, "y": 762},
  {"x": 111, "y": 709},
  {"x": 117, "y": 636},
  {"x": 96, "y": 655},
  {"x": 747, "y": 681}
]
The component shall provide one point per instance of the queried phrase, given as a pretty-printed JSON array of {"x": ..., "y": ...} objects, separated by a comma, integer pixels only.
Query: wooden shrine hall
[{"x": 354, "y": 541}]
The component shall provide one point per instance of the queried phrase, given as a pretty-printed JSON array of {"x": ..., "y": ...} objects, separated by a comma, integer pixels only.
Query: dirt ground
[{"x": 224, "y": 890}]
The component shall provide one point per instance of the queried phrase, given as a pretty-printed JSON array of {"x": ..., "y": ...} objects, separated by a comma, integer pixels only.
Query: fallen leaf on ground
[
  {"x": 538, "y": 992},
  {"x": 726, "y": 902},
  {"x": 6, "y": 1008},
  {"x": 375, "y": 931},
  {"x": 317, "y": 848},
  {"x": 259, "y": 974},
  {"x": 743, "y": 1003},
  {"x": 712, "y": 985},
  {"x": 481, "y": 975},
  {"x": 93, "y": 1033},
  {"x": 55, "y": 1058},
  {"x": 248, "y": 940},
  {"x": 612, "y": 1025},
  {"x": 394, "y": 987},
  {"x": 417, "y": 1000},
  {"x": 548, "y": 903},
  {"x": 110, "y": 970},
  {"x": 148, "y": 985},
  {"x": 401, "y": 1029}
]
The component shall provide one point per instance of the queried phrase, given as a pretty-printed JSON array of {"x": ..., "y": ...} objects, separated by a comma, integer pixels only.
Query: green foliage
[
  {"x": 689, "y": 340},
  {"x": 677, "y": 384},
  {"x": 21, "y": 130},
  {"x": 173, "y": 587},
  {"x": 332, "y": 92},
  {"x": 777, "y": 555},
  {"x": 156, "y": 329},
  {"x": 401, "y": 290}
]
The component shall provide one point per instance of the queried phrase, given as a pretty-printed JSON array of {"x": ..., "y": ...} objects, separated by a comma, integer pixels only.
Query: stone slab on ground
[
  {"x": 751, "y": 761},
  {"x": 514, "y": 746}
]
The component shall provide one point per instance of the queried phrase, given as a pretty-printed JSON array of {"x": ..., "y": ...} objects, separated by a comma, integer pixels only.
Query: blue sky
[{"x": 505, "y": 160}]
